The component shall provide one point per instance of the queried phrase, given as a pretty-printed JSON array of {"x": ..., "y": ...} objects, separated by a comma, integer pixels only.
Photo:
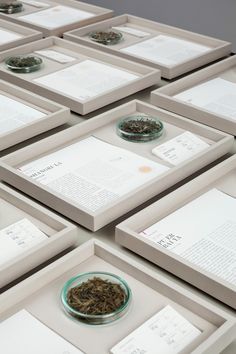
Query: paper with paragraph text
[
  {"x": 93, "y": 173},
  {"x": 202, "y": 232}
]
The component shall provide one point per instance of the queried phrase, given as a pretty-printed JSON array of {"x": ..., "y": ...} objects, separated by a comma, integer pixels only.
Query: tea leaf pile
[
  {"x": 96, "y": 297},
  {"x": 140, "y": 126}
]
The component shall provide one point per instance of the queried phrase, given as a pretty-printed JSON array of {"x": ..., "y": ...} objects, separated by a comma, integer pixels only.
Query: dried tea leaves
[
  {"x": 110, "y": 37},
  {"x": 24, "y": 64},
  {"x": 96, "y": 296},
  {"x": 141, "y": 126},
  {"x": 11, "y": 7}
]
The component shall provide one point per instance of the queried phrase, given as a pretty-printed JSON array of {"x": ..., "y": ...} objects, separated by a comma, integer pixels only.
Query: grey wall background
[{"x": 215, "y": 18}]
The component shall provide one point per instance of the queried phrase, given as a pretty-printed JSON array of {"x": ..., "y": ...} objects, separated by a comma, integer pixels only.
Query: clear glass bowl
[
  {"x": 106, "y": 37},
  {"x": 95, "y": 319},
  {"x": 11, "y": 8},
  {"x": 11, "y": 63},
  {"x": 138, "y": 132}
]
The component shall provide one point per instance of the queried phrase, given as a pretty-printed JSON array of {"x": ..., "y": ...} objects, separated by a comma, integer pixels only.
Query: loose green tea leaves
[
  {"x": 96, "y": 297},
  {"x": 11, "y": 7},
  {"x": 106, "y": 38},
  {"x": 23, "y": 62},
  {"x": 141, "y": 126}
]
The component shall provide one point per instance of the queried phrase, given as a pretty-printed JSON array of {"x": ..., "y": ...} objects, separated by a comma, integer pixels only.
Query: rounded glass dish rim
[
  {"x": 121, "y": 120},
  {"x": 87, "y": 316},
  {"x": 23, "y": 67},
  {"x": 121, "y": 36},
  {"x": 15, "y": 5}
]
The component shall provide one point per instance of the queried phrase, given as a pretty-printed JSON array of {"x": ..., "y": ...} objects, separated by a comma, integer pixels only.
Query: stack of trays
[
  {"x": 172, "y": 50},
  {"x": 27, "y": 167},
  {"x": 53, "y": 18},
  {"x": 167, "y": 164},
  {"x": 12, "y": 35},
  {"x": 63, "y": 61}
]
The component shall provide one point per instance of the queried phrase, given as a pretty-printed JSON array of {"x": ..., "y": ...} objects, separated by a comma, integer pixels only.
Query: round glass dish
[
  {"x": 95, "y": 319},
  {"x": 139, "y": 128},
  {"x": 24, "y": 64},
  {"x": 106, "y": 37},
  {"x": 11, "y": 8}
]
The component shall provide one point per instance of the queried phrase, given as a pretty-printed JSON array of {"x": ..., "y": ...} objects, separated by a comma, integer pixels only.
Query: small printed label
[
  {"x": 54, "y": 55},
  {"x": 180, "y": 149},
  {"x": 168, "y": 331},
  {"x": 133, "y": 31},
  {"x": 17, "y": 238},
  {"x": 38, "y": 4}
]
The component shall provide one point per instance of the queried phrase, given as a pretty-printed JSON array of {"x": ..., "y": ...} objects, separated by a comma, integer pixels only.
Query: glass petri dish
[
  {"x": 139, "y": 128},
  {"x": 11, "y": 8},
  {"x": 24, "y": 64},
  {"x": 106, "y": 37},
  {"x": 95, "y": 319}
]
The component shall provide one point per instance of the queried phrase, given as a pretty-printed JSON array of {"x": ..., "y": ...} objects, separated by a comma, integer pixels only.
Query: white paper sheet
[
  {"x": 166, "y": 50},
  {"x": 216, "y": 95},
  {"x": 56, "y": 17},
  {"x": 22, "y": 333},
  {"x": 93, "y": 173},
  {"x": 86, "y": 80},
  {"x": 7, "y": 36},
  {"x": 203, "y": 232},
  {"x": 18, "y": 238},
  {"x": 133, "y": 31},
  {"x": 167, "y": 332},
  {"x": 54, "y": 55},
  {"x": 180, "y": 148},
  {"x": 14, "y": 114}
]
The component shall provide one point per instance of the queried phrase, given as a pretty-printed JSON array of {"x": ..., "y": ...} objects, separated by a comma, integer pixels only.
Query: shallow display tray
[
  {"x": 223, "y": 177},
  {"x": 146, "y": 76},
  {"x": 27, "y": 35},
  {"x": 40, "y": 295},
  {"x": 61, "y": 234},
  {"x": 55, "y": 115},
  {"x": 219, "y": 48},
  {"x": 226, "y": 69},
  {"x": 104, "y": 127},
  {"x": 100, "y": 14}
]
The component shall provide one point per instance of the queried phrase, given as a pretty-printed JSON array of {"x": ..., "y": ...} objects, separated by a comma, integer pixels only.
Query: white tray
[
  {"x": 223, "y": 177},
  {"x": 226, "y": 69},
  {"x": 27, "y": 35},
  {"x": 61, "y": 234},
  {"x": 55, "y": 115},
  {"x": 146, "y": 76},
  {"x": 40, "y": 295},
  {"x": 100, "y": 14},
  {"x": 103, "y": 127},
  {"x": 218, "y": 50}
]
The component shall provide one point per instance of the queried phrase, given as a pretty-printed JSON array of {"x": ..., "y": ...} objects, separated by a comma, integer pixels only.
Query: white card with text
[
  {"x": 180, "y": 148},
  {"x": 18, "y": 238},
  {"x": 167, "y": 332}
]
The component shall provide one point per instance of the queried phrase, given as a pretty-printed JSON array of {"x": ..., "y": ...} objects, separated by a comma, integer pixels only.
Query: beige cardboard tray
[
  {"x": 55, "y": 115},
  {"x": 219, "y": 48},
  {"x": 27, "y": 34},
  {"x": 146, "y": 76},
  {"x": 99, "y": 14},
  {"x": 104, "y": 127},
  {"x": 40, "y": 295},
  {"x": 222, "y": 177},
  {"x": 226, "y": 69},
  {"x": 61, "y": 234}
]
